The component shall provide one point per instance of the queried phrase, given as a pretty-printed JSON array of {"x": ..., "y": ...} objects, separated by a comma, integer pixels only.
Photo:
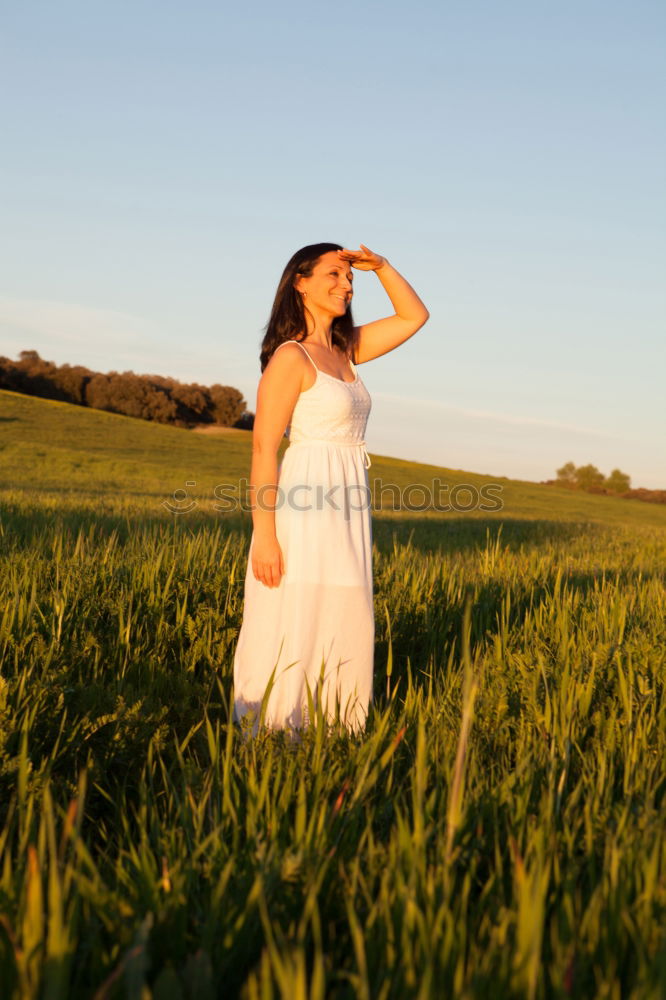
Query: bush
[
  {"x": 618, "y": 482},
  {"x": 227, "y": 405},
  {"x": 147, "y": 397},
  {"x": 588, "y": 478},
  {"x": 245, "y": 422}
]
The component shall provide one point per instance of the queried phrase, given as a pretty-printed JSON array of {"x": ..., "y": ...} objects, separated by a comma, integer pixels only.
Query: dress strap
[{"x": 302, "y": 348}]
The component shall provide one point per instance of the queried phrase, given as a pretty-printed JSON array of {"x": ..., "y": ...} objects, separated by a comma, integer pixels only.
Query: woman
[{"x": 307, "y": 639}]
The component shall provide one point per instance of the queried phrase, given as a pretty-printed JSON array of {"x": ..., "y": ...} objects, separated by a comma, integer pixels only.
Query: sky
[{"x": 162, "y": 161}]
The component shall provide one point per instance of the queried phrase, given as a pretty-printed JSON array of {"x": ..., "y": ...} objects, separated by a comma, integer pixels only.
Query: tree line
[
  {"x": 592, "y": 480},
  {"x": 148, "y": 397}
]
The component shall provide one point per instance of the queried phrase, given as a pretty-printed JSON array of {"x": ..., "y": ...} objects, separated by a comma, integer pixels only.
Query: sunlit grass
[{"x": 498, "y": 831}]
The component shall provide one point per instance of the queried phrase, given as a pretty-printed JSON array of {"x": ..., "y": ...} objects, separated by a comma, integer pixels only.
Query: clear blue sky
[{"x": 162, "y": 161}]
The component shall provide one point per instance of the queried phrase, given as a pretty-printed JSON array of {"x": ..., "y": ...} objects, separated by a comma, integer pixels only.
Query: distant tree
[
  {"x": 98, "y": 391},
  {"x": 227, "y": 404},
  {"x": 7, "y": 374},
  {"x": 245, "y": 422},
  {"x": 160, "y": 406},
  {"x": 31, "y": 359},
  {"x": 567, "y": 474},
  {"x": 588, "y": 477},
  {"x": 193, "y": 402},
  {"x": 618, "y": 482},
  {"x": 72, "y": 381},
  {"x": 130, "y": 394},
  {"x": 149, "y": 397},
  {"x": 34, "y": 376}
]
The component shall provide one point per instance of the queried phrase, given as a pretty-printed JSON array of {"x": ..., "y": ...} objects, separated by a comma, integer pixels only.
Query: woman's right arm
[{"x": 279, "y": 388}]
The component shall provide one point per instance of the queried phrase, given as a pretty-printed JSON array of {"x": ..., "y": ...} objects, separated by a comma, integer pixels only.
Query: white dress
[{"x": 316, "y": 629}]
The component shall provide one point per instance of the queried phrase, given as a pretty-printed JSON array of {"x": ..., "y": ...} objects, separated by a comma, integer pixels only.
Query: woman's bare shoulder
[
  {"x": 290, "y": 348},
  {"x": 288, "y": 358}
]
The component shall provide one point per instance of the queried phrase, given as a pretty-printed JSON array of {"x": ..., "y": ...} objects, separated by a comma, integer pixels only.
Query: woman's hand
[
  {"x": 267, "y": 561},
  {"x": 363, "y": 259}
]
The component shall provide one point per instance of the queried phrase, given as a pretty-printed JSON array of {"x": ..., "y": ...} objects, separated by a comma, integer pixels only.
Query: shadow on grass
[
  {"x": 448, "y": 534},
  {"x": 26, "y": 518},
  {"x": 25, "y": 521}
]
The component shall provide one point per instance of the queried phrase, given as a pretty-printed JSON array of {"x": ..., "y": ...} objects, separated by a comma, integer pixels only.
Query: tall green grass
[{"x": 498, "y": 831}]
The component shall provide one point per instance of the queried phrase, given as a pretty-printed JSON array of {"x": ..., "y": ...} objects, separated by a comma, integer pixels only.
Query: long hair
[{"x": 287, "y": 321}]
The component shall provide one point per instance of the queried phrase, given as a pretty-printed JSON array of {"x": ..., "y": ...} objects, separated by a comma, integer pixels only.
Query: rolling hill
[{"x": 61, "y": 455}]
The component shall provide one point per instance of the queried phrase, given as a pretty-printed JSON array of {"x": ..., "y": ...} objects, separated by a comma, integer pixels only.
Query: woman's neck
[{"x": 320, "y": 331}]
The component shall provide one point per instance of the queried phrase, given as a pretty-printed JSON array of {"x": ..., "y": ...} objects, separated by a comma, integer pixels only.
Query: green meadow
[{"x": 499, "y": 830}]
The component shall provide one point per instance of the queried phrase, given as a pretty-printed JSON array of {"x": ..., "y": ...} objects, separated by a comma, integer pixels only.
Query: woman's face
[{"x": 328, "y": 289}]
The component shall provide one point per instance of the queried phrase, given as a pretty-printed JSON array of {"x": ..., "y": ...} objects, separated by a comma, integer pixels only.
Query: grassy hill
[
  {"x": 497, "y": 832},
  {"x": 54, "y": 453}
]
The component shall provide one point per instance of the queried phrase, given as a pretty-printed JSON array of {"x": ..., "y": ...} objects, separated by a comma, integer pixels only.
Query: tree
[
  {"x": 589, "y": 477},
  {"x": 72, "y": 381},
  {"x": 567, "y": 474},
  {"x": 227, "y": 404},
  {"x": 618, "y": 482},
  {"x": 245, "y": 422},
  {"x": 130, "y": 394},
  {"x": 148, "y": 397},
  {"x": 34, "y": 376},
  {"x": 29, "y": 358},
  {"x": 193, "y": 402}
]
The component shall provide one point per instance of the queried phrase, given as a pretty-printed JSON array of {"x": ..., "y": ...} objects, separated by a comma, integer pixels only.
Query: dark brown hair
[{"x": 287, "y": 320}]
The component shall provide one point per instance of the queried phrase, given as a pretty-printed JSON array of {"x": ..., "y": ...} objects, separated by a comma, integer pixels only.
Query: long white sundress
[{"x": 316, "y": 629}]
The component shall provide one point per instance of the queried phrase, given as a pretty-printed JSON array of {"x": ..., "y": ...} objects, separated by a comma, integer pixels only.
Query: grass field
[{"x": 499, "y": 830}]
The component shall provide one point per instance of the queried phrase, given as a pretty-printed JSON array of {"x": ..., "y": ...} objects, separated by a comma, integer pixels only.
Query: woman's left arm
[{"x": 383, "y": 335}]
